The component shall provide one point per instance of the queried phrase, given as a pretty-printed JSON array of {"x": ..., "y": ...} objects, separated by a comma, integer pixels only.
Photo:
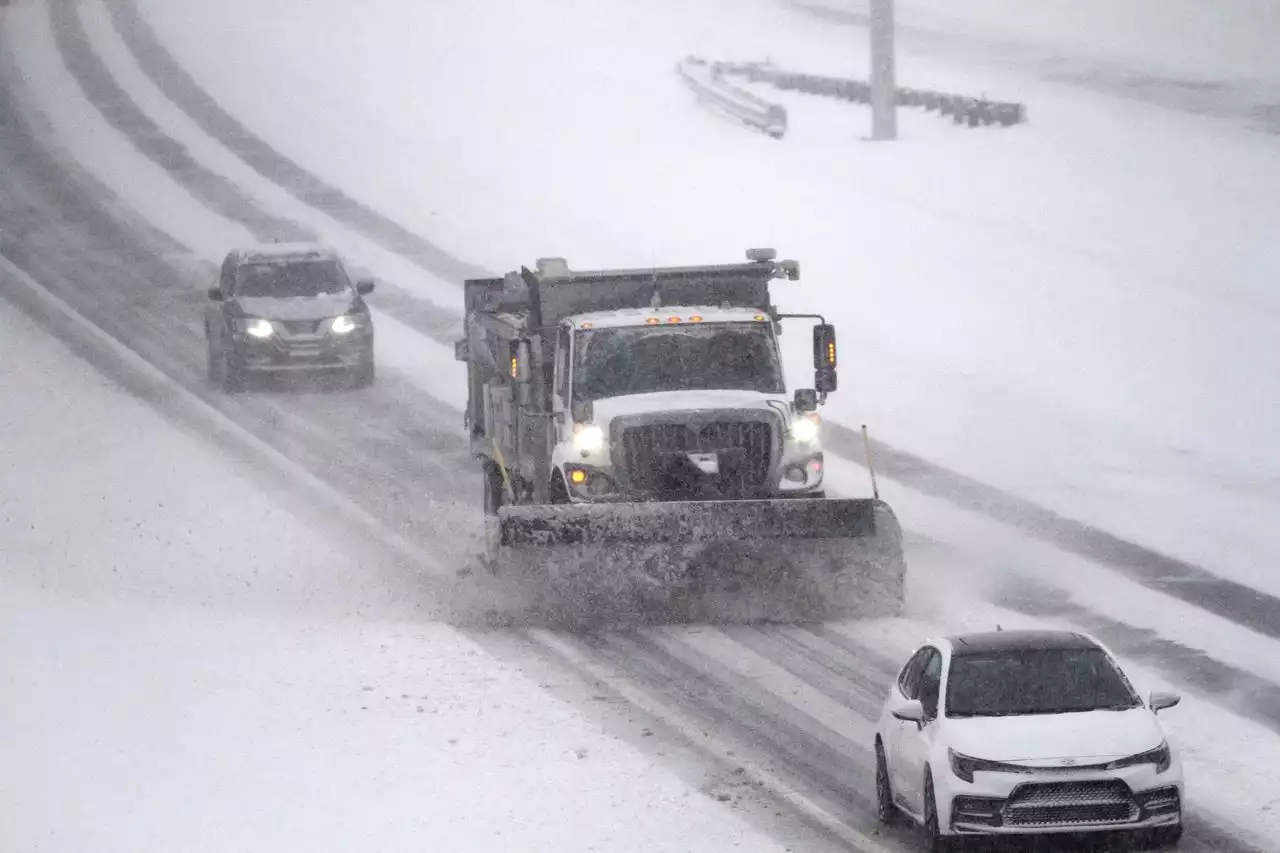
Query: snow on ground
[
  {"x": 1078, "y": 310},
  {"x": 149, "y": 709},
  {"x": 147, "y": 188}
]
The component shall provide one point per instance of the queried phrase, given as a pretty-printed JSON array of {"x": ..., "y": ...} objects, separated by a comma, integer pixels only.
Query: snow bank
[
  {"x": 149, "y": 709},
  {"x": 1078, "y": 310}
]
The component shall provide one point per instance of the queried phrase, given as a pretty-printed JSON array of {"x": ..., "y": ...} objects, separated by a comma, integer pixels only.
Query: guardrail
[
  {"x": 708, "y": 82},
  {"x": 974, "y": 112}
]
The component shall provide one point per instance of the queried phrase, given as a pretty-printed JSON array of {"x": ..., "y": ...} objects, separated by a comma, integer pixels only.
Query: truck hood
[
  {"x": 300, "y": 308},
  {"x": 674, "y": 401},
  {"x": 1045, "y": 739}
]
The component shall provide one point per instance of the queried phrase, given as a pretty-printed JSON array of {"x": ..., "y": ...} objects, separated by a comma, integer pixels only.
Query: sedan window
[{"x": 1041, "y": 681}]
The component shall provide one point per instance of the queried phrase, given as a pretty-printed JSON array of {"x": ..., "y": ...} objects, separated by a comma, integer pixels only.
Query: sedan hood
[
  {"x": 1090, "y": 736},
  {"x": 674, "y": 401},
  {"x": 297, "y": 308}
]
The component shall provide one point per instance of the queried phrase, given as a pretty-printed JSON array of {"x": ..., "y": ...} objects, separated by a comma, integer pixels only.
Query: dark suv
[{"x": 284, "y": 308}]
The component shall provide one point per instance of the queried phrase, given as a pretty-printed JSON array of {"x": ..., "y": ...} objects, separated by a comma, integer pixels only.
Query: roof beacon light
[{"x": 761, "y": 255}]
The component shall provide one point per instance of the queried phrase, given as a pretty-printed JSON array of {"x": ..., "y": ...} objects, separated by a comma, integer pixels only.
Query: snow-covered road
[{"x": 125, "y": 181}]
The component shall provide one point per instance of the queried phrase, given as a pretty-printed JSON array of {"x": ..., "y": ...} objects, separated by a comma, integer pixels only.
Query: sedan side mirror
[
  {"x": 1160, "y": 700},
  {"x": 365, "y": 286},
  {"x": 806, "y": 400},
  {"x": 908, "y": 710},
  {"x": 215, "y": 293}
]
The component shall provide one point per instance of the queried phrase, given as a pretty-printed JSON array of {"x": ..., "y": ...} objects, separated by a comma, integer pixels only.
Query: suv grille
[
  {"x": 300, "y": 327},
  {"x": 651, "y": 453},
  {"x": 1070, "y": 804}
]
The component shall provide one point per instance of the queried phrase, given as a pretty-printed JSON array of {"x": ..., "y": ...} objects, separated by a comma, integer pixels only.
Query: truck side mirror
[
  {"x": 520, "y": 362},
  {"x": 215, "y": 293},
  {"x": 824, "y": 346},
  {"x": 824, "y": 358},
  {"x": 365, "y": 286},
  {"x": 806, "y": 400}
]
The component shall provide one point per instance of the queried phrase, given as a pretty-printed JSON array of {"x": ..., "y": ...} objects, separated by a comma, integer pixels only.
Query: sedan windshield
[
  {"x": 1041, "y": 681},
  {"x": 613, "y": 362},
  {"x": 290, "y": 279}
]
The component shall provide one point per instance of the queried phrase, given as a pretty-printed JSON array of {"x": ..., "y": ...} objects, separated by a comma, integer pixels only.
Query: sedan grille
[
  {"x": 1061, "y": 804},
  {"x": 744, "y": 451}
]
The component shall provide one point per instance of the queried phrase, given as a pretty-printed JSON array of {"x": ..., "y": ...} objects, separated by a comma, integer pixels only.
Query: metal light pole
[{"x": 884, "y": 103}]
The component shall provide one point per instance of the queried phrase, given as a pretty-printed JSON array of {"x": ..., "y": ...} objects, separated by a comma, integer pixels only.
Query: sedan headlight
[
  {"x": 804, "y": 430},
  {"x": 343, "y": 325},
  {"x": 587, "y": 438},
  {"x": 964, "y": 766},
  {"x": 1161, "y": 757},
  {"x": 256, "y": 327}
]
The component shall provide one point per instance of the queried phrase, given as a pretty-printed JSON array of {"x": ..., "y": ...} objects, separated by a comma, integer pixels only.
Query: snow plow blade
[{"x": 794, "y": 560}]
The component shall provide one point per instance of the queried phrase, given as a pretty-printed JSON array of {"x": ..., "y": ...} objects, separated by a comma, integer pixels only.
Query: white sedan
[{"x": 1024, "y": 733}]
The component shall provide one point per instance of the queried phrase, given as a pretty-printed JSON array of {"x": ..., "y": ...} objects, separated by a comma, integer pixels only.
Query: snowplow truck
[{"x": 641, "y": 459}]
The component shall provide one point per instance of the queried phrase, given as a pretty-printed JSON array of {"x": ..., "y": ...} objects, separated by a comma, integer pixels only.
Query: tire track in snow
[
  {"x": 304, "y": 185},
  {"x": 61, "y": 234},
  {"x": 1178, "y": 578}
]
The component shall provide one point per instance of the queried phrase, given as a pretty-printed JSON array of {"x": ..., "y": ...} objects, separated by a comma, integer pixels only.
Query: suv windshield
[
  {"x": 290, "y": 279},
  {"x": 1041, "y": 681},
  {"x": 643, "y": 359}
]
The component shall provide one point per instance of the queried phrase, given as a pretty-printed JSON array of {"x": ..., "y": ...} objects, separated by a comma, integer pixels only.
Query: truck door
[{"x": 563, "y": 384}]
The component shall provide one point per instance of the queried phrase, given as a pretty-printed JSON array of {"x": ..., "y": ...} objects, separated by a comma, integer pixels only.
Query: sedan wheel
[
  {"x": 935, "y": 841},
  {"x": 886, "y": 811}
]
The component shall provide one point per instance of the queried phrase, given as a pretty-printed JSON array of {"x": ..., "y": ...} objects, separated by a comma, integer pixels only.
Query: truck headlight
[
  {"x": 256, "y": 328},
  {"x": 804, "y": 430},
  {"x": 343, "y": 325},
  {"x": 587, "y": 438}
]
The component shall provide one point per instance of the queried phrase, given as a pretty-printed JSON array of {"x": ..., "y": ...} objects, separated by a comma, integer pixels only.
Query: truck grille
[
  {"x": 650, "y": 454},
  {"x": 1070, "y": 804}
]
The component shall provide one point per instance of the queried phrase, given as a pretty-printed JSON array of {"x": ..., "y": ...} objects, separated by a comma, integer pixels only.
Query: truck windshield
[{"x": 614, "y": 362}]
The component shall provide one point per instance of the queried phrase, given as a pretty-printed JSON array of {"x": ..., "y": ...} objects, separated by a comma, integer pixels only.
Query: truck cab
[{"x": 680, "y": 402}]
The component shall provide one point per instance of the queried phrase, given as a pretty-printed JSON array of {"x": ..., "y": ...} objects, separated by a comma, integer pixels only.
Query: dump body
[{"x": 640, "y": 457}]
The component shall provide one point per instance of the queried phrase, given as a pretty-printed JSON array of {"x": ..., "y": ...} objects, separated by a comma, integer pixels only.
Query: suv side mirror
[
  {"x": 581, "y": 411},
  {"x": 806, "y": 400},
  {"x": 365, "y": 286},
  {"x": 1159, "y": 701},
  {"x": 215, "y": 293}
]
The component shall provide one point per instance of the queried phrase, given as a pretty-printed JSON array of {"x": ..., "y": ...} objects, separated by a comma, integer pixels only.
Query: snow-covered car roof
[{"x": 668, "y": 314}]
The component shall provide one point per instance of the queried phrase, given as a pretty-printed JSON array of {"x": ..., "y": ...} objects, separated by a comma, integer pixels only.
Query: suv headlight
[
  {"x": 255, "y": 327},
  {"x": 1161, "y": 757},
  {"x": 343, "y": 325},
  {"x": 587, "y": 438}
]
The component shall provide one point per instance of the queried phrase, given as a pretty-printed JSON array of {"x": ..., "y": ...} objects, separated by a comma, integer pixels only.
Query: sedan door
[{"x": 914, "y": 748}]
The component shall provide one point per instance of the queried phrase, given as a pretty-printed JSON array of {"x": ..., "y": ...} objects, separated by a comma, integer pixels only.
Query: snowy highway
[{"x": 244, "y": 622}]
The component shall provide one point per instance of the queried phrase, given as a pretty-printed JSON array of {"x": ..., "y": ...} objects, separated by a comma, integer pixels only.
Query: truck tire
[{"x": 494, "y": 488}]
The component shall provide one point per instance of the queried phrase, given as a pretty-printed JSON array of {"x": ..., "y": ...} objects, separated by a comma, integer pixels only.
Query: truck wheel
[{"x": 494, "y": 489}]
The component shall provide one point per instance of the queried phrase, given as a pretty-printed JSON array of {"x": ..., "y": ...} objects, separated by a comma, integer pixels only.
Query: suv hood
[
  {"x": 1088, "y": 736},
  {"x": 674, "y": 401},
  {"x": 296, "y": 308}
]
